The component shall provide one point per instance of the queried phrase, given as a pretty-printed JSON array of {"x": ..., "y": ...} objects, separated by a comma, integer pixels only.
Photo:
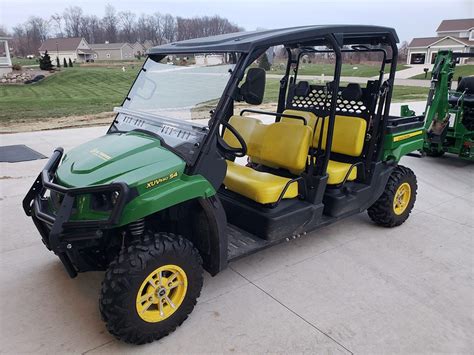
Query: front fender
[{"x": 161, "y": 197}]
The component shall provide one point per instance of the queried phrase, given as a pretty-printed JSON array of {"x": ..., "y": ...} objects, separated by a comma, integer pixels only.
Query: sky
[{"x": 411, "y": 18}]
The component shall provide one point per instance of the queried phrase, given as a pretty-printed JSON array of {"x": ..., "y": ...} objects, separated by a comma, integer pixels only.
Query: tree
[
  {"x": 45, "y": 62},
  {"x": 110, "y": 24},
  {"x": 264, "y": 63},
  {"x": 3, "y": 31},
  {"x": 58, "y": 65},
  {"x": 64, "y": 63},
  {"x": 57, "y": 20},
  {"x": 128, "y": 25},
  {"x": 70, "y": 63},
  {"x": 72, "y": 21}
]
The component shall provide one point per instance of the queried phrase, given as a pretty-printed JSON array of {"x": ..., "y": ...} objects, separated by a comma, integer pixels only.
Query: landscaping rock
[{"x": 16, "y": 77}]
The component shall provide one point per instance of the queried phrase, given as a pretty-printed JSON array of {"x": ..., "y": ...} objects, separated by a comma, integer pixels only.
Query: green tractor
[
  {"x": 181, "y": 183},
  {"x": 449, "y": 114}
]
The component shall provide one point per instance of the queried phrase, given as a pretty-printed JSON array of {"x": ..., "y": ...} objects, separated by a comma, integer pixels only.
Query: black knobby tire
[
  {"x": 125, "y": 275},
  {"x": 382, "y": 211}
]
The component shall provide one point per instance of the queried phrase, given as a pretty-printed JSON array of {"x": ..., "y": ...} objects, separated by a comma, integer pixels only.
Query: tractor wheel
[
  {"x": 397, "y": 200},
  {"x": 151, "y": 288}
]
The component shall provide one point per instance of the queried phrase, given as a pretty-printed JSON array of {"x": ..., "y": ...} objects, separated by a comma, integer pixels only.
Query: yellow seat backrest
[
  {"x": 310, "y": 117},
  {"x": 349, "y": 131},
  {"x": 278, "y": 145},
  {"x": 246, "y": 126},
  {"x": 348, "y": 138},
  {"x": 285, "y": 145}
]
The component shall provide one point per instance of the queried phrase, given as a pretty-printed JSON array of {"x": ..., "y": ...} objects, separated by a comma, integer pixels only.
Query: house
[
  {"x": 76, "y": 48},
  {"x": 138, "y": 49},
  {"x": 456, "y": 35},
  {"x": 112, "y": 51},
  {"x": 5, "y": 60},
  {"x": 209, "y": 59},
  {"x": 148, "y": 44}
]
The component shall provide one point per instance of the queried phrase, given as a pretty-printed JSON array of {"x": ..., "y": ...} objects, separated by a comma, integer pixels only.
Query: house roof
[
  {"x": 60, "y": 44},
  {"x": 247, "y": 41},
  {"x": 423, "y": 41},
  {"x": 456, "y": 25},
  {"x": 428, "y": 41},
  {"x": 108, "y": 45}
]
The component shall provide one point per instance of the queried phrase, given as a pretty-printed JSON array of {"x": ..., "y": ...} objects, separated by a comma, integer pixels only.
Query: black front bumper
[{"x": 55, "y": 227}]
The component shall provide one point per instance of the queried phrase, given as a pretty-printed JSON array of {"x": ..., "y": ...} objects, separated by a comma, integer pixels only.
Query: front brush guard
[{"x": 52, "y": 227}]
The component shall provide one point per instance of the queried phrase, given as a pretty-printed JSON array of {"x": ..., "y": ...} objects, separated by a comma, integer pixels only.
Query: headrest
[
  {"x": 352, "y": 92},
  {"x": 253, "y": 89},
  {"x": 302, "y": 89},
  {"x": 466, "y": 84}
]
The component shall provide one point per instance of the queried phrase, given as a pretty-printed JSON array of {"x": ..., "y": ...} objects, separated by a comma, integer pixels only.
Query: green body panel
[
  {"x": 139, "y": 160},
  {"x": 399, "y": 144}
]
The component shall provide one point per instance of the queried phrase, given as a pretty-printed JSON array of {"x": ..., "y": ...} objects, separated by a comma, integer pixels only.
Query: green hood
[{"x": 133, "y": 158}]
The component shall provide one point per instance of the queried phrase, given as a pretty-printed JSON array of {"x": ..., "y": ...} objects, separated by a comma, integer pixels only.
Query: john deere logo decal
[
  {"x": 158, "y": 181},
  {"x": 100, "y": 154}
]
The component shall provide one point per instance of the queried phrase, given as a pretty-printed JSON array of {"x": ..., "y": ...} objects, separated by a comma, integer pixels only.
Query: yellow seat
[
  {"x": 348, "y": 139},
  {"x": 277, "y": 145},
  {"x": 337, "y": 171},
  {"x": 261, "y": 187},
  {"x": 310, "y": 117}
]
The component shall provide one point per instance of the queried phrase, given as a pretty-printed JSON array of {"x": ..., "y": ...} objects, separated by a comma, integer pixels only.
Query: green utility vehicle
[
  {"x": 449, "y": 114},
  {"x": 167, "y": 191}
]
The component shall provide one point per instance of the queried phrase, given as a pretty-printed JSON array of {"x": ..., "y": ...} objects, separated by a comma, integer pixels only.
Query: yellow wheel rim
[
  {"x": 402, "y": 198},
  {"x": 161, "y": 293}
]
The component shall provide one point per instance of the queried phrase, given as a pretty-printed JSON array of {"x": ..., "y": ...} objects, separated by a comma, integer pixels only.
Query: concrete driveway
[{"x": 351, "y": 287}]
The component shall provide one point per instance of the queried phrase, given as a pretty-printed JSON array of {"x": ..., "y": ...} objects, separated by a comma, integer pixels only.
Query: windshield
[{"x": 172, "y": 98}]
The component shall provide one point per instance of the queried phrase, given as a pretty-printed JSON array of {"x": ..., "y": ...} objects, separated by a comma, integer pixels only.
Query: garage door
[{"x": 417, "y": 58}]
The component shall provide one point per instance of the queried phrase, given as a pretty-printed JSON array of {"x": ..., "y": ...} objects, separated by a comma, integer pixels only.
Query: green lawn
[
  {"x": 400, "y": 93},
  {"x": 460, "y": 70},
  {"x": 360, "y": 70},
  {"x": 80, "y": 91},
  {"x": 74, "y": 91},
  {"x": 25, "y": 61}
]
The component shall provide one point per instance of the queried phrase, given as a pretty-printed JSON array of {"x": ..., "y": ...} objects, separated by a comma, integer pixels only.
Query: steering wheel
[{"x": 238, "y": 152}]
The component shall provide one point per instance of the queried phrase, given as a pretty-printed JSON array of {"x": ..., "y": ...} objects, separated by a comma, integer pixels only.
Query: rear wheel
[
  {"x": 150, "y": 288},
  {"x": 397, "y": 200}
]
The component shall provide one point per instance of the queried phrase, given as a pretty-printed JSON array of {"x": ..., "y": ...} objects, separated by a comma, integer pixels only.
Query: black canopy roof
[{"x": 304, "y": 35}]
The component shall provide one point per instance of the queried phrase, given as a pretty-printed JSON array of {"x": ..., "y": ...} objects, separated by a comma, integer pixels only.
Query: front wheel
[
  {"x": 151, "y": 288},
  {"x": 397, "y": 200}
]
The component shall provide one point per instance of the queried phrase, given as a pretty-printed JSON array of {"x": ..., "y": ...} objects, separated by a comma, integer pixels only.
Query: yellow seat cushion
[
  {"x": 337, "y": 172},
  {"x": 261, "y": 187}
]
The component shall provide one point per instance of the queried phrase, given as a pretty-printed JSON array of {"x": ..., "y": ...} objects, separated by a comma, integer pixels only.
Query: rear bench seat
[
  {"x": 277, "y": 145},
  {"x": 348, "y": 139}
]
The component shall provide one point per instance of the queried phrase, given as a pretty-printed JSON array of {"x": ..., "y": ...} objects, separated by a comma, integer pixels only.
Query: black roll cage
[
  {"x": 334, "y": 41},
  {"x": 378, "y": 119}
]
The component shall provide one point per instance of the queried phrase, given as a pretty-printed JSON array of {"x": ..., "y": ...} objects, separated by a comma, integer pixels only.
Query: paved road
[{"x": 352, "y": 287}]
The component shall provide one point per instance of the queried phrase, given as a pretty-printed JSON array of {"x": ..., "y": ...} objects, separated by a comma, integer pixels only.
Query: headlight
[{"x": 104, "y": 201}]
